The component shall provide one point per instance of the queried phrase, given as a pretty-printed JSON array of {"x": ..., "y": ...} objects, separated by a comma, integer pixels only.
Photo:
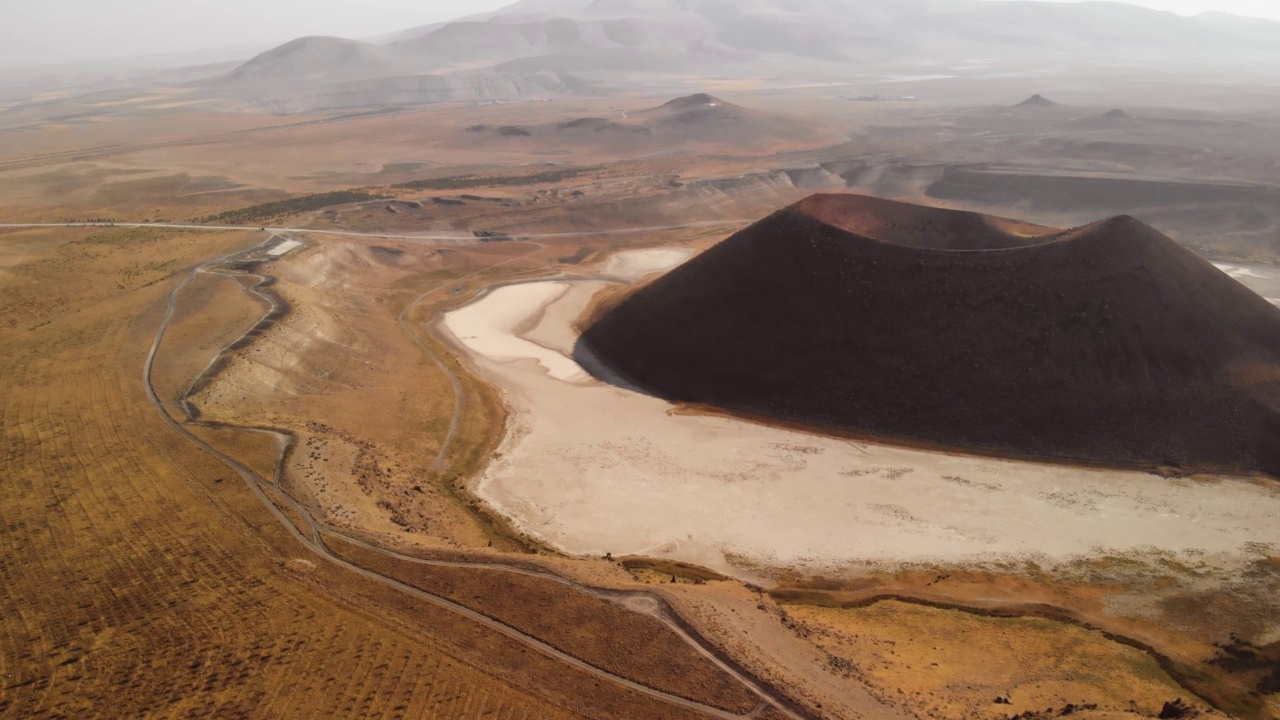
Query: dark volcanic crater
[{"x": 1107, "y": 344}]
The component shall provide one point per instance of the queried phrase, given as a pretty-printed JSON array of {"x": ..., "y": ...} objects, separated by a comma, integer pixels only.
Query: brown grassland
[
  {"x": 167, "y": 590},
  {"x": 626, "y": 642},
  {"x": 177, "y": 601},
  {"x": 140, "y": 576},
  {"x": 1033, "y": 662}
]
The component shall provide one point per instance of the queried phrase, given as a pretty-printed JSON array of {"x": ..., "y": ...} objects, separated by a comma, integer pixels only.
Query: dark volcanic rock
[
  {"x": 1037, "y": 100},
  {"x": 1108, "y": 344},
  {"x": 1177, "y": 709}
]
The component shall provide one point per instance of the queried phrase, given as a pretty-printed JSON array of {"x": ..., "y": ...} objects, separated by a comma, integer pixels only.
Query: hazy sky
[{"x": 66, "y": 31}]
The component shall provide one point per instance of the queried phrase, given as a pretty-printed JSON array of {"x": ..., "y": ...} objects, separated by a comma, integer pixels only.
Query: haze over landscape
[
  {"x": 803, "y": 359},
  {"x": 154, "y": 28}
]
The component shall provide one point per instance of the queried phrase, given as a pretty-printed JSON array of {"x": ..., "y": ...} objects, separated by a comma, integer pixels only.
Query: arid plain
[{"x": 367, "y": 477}]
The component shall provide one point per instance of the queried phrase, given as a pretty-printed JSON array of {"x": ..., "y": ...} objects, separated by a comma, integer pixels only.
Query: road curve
[
  {"x": 432, "y": 237},
  {"x": 314, "y": 542},
  {"x": 459, "y": 398}
]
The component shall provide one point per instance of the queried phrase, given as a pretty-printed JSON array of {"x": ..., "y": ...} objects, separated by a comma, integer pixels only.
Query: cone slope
[{"x": 1106, "y": 344}]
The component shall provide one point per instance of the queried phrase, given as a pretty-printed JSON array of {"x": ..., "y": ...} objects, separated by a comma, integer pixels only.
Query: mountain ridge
[{"x": 611, "y": 40}]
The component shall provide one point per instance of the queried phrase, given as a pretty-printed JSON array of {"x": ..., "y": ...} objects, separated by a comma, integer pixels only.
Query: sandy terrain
[
  {"x": 283, "y": 249},
  {"x": 593, "y": 469},
  {"x": 633, "y": 265},
  {"x": 490, "y": 328}
]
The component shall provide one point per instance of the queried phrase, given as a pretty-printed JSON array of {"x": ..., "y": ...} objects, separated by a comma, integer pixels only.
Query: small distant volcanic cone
[{"x": 1037, "y": 100}]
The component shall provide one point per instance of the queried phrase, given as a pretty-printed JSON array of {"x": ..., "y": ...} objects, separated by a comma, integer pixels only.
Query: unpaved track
[
  {"x": 268, "y": 299},
  {"x": 430, "y": 237},
  {"x": 638, "y": 601},
  {"x": 459, "y": 398}
]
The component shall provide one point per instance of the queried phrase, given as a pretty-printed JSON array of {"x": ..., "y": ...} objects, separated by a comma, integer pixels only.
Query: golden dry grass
[
  {"x": 134, "y": 584},
  {"x": 368, "y": 408},
  {"x": 259, "y": 451},
  {"x": 624, "y": 642},
  {"x": 954, "y": 664},
  {"x": 1183, "y": 623},
  {"x": 138, "y": 578},
  {"x": 214, "y": 312}
]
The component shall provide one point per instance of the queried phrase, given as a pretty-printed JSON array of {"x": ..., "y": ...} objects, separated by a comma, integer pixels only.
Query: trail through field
[
  {"x": 313, "y": 535},
  {"x": 461, "y": 239}
]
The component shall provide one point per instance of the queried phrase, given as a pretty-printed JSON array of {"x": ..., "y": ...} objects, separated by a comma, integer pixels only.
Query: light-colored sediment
[
  {"x": 283, "y": 249},
  {"x": 632, "y": 265},
  {"x": 1262, "y": 279},
  {"x": 594, "y": 468},
  {"x": 492, "y": 328}
]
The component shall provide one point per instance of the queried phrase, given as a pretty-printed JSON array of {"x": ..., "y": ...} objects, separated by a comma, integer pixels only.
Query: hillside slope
[
  {"x": 600, "y": 39},
  {"x": 698, "y": 121},
  {"x": 312, "y": 58},
  {"x": 1105, "y": 344}
]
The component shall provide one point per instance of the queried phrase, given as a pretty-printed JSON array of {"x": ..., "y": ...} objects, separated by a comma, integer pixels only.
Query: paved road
[
  {"x": 432, "y": 237},
  {"x": 638, "y": 601}
]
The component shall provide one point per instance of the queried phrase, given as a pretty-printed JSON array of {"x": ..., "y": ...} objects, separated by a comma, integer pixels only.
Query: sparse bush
[
  {"x": 457, "y": 182},
  {"x": 293, "y": 206}
]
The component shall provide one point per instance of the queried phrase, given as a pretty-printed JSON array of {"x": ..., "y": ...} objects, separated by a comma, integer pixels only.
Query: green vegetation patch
[
  {"x": 683, "y": 571},
  {"x": 457, "y": 182},
  {"x": 292, "y": 206},
  {"x": 125, "y": 237}
]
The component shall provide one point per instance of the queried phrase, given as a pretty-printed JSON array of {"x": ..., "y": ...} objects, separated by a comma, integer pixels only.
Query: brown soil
[
  {"x": 135, "y": 584},
  {"x": 259, "y": 451},
  {"x": 216, "y": 311},
  {"x": 369, "y": 465},
  {"x": 622, "y": 641},
  {"x": 140, "y": 578},
  {"x": 1108, "y": 343},
  {"x": 1086, "y": 193},
  {"x": 1028, "y": 663},
  {"x": 1188, "y": 630}
]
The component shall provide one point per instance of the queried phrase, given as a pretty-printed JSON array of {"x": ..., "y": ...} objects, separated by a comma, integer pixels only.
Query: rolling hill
[
  {"x": 694, "y": 121},
  {"x": 606, "y": 42},
  {"x": 1106, "y": 344},
  {"x": 313, "y": 58}
]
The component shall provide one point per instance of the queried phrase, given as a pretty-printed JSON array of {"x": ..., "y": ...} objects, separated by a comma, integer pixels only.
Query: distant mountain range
[{"x": 537, "y": 48}]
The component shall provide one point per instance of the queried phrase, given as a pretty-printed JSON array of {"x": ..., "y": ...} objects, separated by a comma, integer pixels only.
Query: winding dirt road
[
  {"x": 315, "y": 532},
  {"x": 461, "y": 239},
  {"x": 459, "y": 398}
]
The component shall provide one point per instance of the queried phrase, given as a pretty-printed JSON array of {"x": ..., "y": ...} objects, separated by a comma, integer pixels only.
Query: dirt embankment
[
  {"x": 1106, "y": 344},
  {"x": 1082, "y": 193}
]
